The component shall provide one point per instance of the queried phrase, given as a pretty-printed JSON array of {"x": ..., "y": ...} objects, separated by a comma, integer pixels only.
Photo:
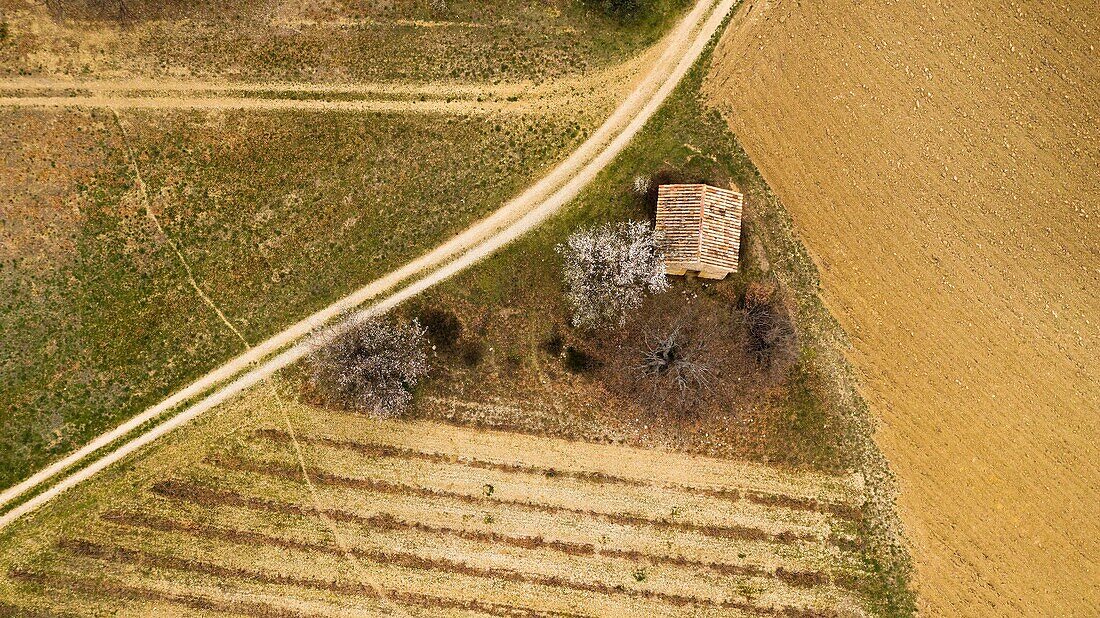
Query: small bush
[
  {"x": 579, "y": 361},
  {"x": 771, "y": 338},
  {"x": 371, "y": 366},
  {"x": 622, "y": 10},
  {"x": 554, "y": 344},
  {"x": 472, "y": 352},
  {"x": 442, "y": 327}
]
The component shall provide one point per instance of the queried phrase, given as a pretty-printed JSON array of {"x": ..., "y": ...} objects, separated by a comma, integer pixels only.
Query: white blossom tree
[
  {"x": 609, "y": 269},
  {"x": 372, "y": 366}
]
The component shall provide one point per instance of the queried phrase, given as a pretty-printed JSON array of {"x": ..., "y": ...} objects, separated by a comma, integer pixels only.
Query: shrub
[
  {"x": 442, "y": 328},
  {"x": 472, "y": 352},
  {"x": 372, "y": 366},
  {"x": 609, "y": 269},
  {"x": 622, "y": 10},
  {"x": 771, "y": 338},
  {"x": 554, "y": 344},
  {"x": 579, "y": 361}
]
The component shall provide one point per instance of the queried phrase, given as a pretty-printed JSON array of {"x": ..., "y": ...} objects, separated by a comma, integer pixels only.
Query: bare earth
[
  {"x": 941, "y": 162},
  {"x": 594, "y": 89}
]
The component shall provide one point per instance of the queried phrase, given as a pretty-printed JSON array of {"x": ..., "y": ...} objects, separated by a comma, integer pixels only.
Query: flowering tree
[
  {"x": 608, "y": 271},
  {"x": 371, "y": 366}
]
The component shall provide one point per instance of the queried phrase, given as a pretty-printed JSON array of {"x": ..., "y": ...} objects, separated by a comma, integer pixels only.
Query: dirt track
[
  {"x": 595, "y": 89},
  {"x": 941, "y": 163}
]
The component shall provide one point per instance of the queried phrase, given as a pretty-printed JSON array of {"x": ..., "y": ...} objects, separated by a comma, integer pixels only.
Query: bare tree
[
  {"x": 609, "y": 269},
  {"x": 372, "y": 366},
  {"x": 771, "y": 337},
  {"x": 673, "y": 359},
  {"x": 674, "y": 356}
]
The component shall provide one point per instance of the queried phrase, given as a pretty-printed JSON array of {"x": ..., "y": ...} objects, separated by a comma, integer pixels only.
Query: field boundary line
[
  {"x": 143, "y": 84},
  {"x": 160, "y": 229},
  {"x": 517, "y": 217},
  {"x": 453, "y": 107}
]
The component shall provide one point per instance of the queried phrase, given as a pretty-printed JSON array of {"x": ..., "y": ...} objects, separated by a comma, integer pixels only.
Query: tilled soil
[{"x": 940, "y": 161}]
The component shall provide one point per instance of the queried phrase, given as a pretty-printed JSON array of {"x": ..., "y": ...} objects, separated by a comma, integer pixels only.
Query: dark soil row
[
  {"x": 121, "y": 555},
  {"x": 733, "y": 495},
  {"x": 198, "y": 494},
  {"x": 283, "y": 471}
]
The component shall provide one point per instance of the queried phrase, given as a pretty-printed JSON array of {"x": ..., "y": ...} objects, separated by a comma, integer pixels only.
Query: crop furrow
[
  {"x": 325, "y": 478},
  {"x": 375, "y": 449}
]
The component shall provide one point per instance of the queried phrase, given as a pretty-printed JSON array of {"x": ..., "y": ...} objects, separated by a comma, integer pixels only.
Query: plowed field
[
  {"x": 436, "y": 520},
  {"x": 940, "y": 160}
]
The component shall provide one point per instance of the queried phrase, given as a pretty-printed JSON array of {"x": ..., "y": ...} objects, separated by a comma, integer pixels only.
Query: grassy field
[
  {"x": 941, "y": 163},
  {"x": 277, "y": 214},
  {"x": 342, "y": 41}
]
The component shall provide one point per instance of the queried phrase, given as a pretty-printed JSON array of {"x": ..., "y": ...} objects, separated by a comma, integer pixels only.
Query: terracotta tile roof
[{"x": 701, "y": 227}]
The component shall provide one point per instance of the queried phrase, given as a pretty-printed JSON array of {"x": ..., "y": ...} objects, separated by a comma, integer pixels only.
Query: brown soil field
[
  {"x": 941, "y": 161},
  {"x": 433, "y": 520}
]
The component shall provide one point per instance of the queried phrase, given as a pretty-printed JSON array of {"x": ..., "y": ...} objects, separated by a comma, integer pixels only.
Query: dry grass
[
  {"x": 329, "y": 41},
  {"x": 940, "y": 162}
]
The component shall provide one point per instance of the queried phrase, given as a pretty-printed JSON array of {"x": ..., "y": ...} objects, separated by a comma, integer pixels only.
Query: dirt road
[
  {"x": 430, "y": 97},
  {"x": 682, "y": 48},
  {"x": 941, "y": 163}
]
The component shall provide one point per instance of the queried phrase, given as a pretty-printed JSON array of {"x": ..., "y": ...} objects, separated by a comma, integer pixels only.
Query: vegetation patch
[
  {"x": 742, "y": 384},
  {"x": 743, "y": 353}
]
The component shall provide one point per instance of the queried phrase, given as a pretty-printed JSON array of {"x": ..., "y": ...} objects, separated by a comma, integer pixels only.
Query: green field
[{"x": 277, "y": 213}]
